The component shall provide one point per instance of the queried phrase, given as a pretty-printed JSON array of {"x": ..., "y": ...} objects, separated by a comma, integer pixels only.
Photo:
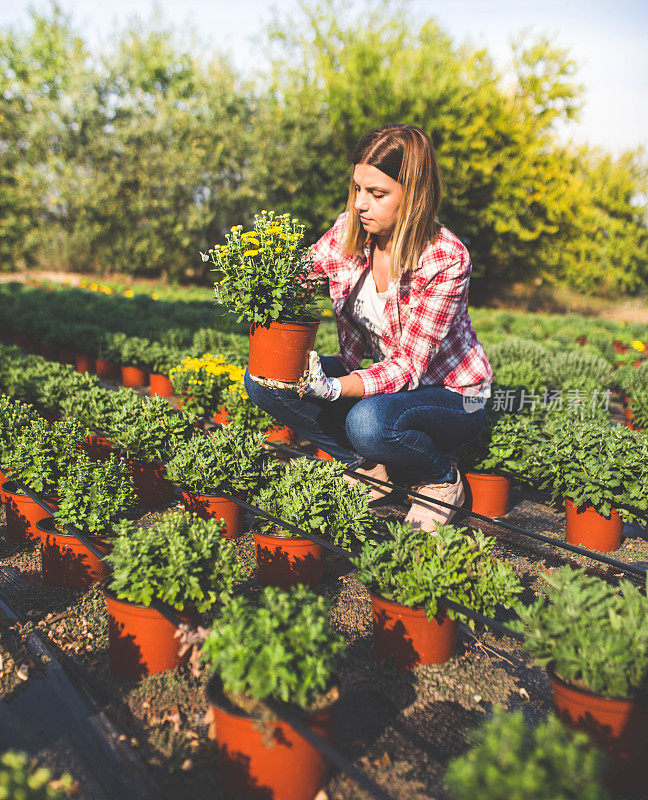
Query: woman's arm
[{"x": 352, "y": 386}]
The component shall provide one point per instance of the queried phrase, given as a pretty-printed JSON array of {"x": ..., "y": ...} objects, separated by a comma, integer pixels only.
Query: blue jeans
[{"x": 411, "y": 431}]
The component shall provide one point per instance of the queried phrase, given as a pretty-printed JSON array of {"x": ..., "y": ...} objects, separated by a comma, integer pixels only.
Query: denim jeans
[{"x": 411, "y": 431}]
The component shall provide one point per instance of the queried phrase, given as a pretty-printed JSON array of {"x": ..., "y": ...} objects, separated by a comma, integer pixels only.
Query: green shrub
[
  {"x": 638, "y": 405},
  {"x": 282, "y": 650},
  {"x": 21, "y": 779},
  {"x": 242, "y": 411},
  {"x": 93, "y": 496},
  {"x": 15, "y": 417},
  {"x": 590, "y": 634},
  {"x": 182, "y": 561},
  {"x": 514, "y": 762},
  {"x": 415, "y": 569},
  {"x": 314, "y": 496},
  {"x": 231, "y": 460}
]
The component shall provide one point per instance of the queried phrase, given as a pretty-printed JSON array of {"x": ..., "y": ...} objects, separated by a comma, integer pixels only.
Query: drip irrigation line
[{"x": 572, "y": 548}]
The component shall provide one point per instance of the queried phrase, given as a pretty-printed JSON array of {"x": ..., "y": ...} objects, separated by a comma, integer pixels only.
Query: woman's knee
[
  {"x": 365, "y": 427},
  {"x": 258, "y": 394}
]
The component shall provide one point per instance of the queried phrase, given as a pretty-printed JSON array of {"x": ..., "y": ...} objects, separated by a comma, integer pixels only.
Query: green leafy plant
[
  {"x": 242, "y": 411},
  {"x": 96, "y": 407},
  {"x": 202, "y": 382},
  {"x": 14, "y": 418},
  {"x": 596, "y": 464},
  {"x": 232, "y": 460},
  {"x": 161, "y": 359},
  {"x": 283, "y": 649},
  {"x": 22, "y": 779},
  {"x": 43, "y": 453},
  {"x": 130, "y": 351},
  {"x": 314, "y": 496},
  {"x": 149, "y": 430},
  {"x": 182, "y": 561},
  {"x": 590, "y": 634},
  {"x": 93, "y": 496},
  {"x": 262, "y": 273},
  {"x": 415, "y": 569},
  {"x": 638, "y": 405},
  {"x": 512, "y": 761}
]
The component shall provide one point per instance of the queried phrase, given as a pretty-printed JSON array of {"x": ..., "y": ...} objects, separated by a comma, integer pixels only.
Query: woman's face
[{"x": 377, "y": 199}]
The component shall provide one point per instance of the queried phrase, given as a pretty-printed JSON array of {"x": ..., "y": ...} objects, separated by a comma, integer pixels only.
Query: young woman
[{"x": 399, "y": 284}]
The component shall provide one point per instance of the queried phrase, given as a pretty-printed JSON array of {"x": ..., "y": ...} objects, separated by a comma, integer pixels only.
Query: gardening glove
[{"x": 317, "y": 384}]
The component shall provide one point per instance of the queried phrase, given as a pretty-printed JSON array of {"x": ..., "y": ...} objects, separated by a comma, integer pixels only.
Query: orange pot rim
[
  {"x": 215, "y": 696},
  {"x": 486, "y": 476},
  {"x": 590, "y": 508},
  {"x": 46, "y": 526},
  {"x": 131, "y": 604},
  {"x": 296, "y": 541},
  {"x": 186, "y": 490},
  {"x": 409, "y": 611},
  {"x": 20, "y": 493},
  {"x": 289, "y": 325},
  {"x": 592, "y": 697}
]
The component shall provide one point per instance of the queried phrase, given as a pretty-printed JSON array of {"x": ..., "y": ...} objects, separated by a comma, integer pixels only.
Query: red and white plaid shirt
[{"x": 427, "y": 333}]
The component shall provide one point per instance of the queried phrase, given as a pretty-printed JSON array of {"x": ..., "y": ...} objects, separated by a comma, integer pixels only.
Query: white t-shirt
[{"x": 367, "y": 307}]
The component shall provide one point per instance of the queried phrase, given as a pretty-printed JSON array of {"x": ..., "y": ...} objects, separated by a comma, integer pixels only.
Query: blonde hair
[{"x": 406, "y": 154}]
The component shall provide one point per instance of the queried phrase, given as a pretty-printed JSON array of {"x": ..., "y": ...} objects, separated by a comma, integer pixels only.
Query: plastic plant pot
[
  {"x": 221, "y": 417},
  {"x": 286, "y": 562},
  {"x": 409, "y": 637},
  {"x": 66, "y": 356},
  {"x": 151, "y": 486},
  {"x": 133, "y": 377},
  {"x": 618, "y": 726},
  {"x": 67, "y": 562},
  {"x": 97, "y": 448},
  {"x": 23, "y": 513},
  {"x": 487, "y": 494},
  {"x": 161, "y": 385},
  {"x": 280, "y": 350},
  {"x": 141, "y": 639},
  {"x": 3, "y": 479},
  {"x": 283, "y": 435},
  {"x": 106, "y": 369},
  {"x": 592, "y": 530},
  {"x": 261, "y": 761},
  {"x": 208, "y": 506},
  {"x": 84, "y": 362}
]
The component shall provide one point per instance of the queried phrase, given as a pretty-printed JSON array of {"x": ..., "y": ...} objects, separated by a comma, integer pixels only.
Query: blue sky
[{"x": 607, "y": 39}]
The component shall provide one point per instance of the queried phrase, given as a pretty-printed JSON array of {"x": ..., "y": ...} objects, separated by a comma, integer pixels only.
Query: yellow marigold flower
[
  {"x": 640, "y": 346},
  {"x": 250, "y": 253},
  {"x": 292, "y": 246},
  {"x": 128, "y": 292},
  {"x": 278, "y": 249},
  {"x": 94, "y": 287},
  {"x": 273, "y": 229}
]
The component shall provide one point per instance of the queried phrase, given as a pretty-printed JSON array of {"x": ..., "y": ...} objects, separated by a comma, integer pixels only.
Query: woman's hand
[{"x": 319, "y": 385}]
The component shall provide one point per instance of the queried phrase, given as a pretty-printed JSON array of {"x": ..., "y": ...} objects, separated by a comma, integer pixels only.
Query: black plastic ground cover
[{"x": 54, "y": 719}]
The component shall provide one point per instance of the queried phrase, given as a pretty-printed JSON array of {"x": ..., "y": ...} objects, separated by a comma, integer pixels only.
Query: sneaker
[
  {"x": 423, "y": 516},
  {"x": 371, "y": 470}
]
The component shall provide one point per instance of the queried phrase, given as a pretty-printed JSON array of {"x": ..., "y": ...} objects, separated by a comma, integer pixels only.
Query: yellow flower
[
  {"x": 94, "y": 287},
  {"x": 326, "y": 312},
  {"x": 128, "y": 292},
  {"x": 250, "y": 253},
  {"x": 155, "y": 296},
  {"x": 278, "y": 249},
  {"x": 273, "y": 229},
  {"x": 292, "y": 246},
  {"x": 640, "y": 346}
]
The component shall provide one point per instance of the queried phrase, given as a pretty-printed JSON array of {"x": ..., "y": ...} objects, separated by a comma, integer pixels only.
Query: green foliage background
[{"x": 135, "y": 158}]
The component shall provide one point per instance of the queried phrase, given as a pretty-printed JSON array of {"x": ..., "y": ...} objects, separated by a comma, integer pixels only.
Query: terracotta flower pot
[
  {"x": 3, "y": 479},
  {"x": 141, "y": 639},
  {"x": 106, "y": 369},
  {"x": 409, "y": 636},
  {"x": 286, "y": 562},
  {"x": 487, "y": 494},
  {"x": 208, "y": 506},
  {"x": 48, "y": 351},
  {"x": 323, "y": 455},
  {"x": 619, "y": 347},
  {"x": 221, "y": 417},
  {"x": 270, "y": 761},
  {"x": 280, "y": 434},
  {"x": 97, "y": 448},
  {"x": 66, "y": 356},
  {"x": 23, "y": 513},
  {"x": 280, "y": 350},
  {"x": 19, "y": 340},
  {"x": 151, "y": 486},
  {"x": 84, "y": 362},
  {"x": 161, "y": 385},
  {"x": 133, "y": 377},
  {"x": 68, "y": 562},
  {"x": 589, "y": 529},
  {"x": 619, "y": 727}
]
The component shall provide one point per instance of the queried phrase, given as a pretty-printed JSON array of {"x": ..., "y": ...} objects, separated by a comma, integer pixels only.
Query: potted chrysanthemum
[{"x": 263, "y": 274}]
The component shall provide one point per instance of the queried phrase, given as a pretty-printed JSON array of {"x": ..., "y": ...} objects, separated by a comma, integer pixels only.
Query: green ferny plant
[
  {"x": 512, "y": 761},
  {"x": 22, "y": 779},
  {"x": 181, "y": 561},
  {"x": 283, "y": 649},
  {"x": 589, "y": 633},
  {"x": 415, "y": 569}
]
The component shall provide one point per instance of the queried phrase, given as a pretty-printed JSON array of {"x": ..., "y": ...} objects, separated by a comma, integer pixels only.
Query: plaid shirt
[{"x": 428, "y": 335}]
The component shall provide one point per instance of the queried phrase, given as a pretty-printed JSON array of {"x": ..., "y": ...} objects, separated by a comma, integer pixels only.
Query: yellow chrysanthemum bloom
[
  {"x": 278, "y": 249},
  {"x": 250, "y": 253},
  {"x": 640, "y": 346},
  {"x": 128, "y": 292},
  {"x": 326, "y": 312}
]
